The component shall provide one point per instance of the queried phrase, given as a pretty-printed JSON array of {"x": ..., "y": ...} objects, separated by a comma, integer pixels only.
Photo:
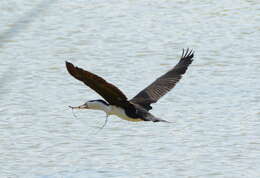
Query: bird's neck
[{"x": 102, "y": 107}]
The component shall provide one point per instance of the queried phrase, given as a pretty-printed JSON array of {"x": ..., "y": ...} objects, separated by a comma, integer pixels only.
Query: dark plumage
[
  {"x": 165, "y": 83},
  {"x": 138, "y": 106}
]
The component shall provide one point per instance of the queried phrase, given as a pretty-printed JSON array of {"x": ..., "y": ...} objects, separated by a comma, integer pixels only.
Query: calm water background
[{"x": 215, "y": 108}]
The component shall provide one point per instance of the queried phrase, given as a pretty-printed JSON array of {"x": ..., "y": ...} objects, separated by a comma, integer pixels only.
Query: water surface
[{"x": 215, "y": 107}]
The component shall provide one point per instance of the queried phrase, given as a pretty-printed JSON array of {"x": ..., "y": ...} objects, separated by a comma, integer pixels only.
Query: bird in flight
[{"x": 116, "y": 102}]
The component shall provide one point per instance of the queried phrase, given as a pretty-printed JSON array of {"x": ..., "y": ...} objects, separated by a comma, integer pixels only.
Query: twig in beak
[
  {"x": 75, "y": 116},
  {"x": 103, "y": 125},
  {"x": 77, "y": 107}
]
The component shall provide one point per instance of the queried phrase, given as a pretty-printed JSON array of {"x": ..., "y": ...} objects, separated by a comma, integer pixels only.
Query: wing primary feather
[
  {"x": 108, "y": 91},
  {"x": 165, "y": 83}
]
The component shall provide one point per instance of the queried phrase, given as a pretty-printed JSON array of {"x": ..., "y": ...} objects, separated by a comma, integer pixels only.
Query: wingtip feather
[{"x": 187, "y": 55}]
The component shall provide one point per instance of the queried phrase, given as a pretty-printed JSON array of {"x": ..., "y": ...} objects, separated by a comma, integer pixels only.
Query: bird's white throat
[
  {"x": 96, "y": 105},
  {"x": 111, "y": 110}
]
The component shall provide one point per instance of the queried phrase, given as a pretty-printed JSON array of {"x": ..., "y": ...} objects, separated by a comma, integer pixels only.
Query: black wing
[
  {"x": 108, "y": 91},
  {"x": 165, "y": 83}
]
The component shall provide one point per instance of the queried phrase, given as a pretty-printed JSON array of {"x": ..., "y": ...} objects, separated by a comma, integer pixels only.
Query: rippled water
[{"x": 215, "y": 108}]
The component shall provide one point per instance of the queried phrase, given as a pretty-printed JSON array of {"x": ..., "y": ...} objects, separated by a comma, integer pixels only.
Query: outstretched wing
[
  {"x": 165, "y": 83},
  {"x": 108, "y": 91}
]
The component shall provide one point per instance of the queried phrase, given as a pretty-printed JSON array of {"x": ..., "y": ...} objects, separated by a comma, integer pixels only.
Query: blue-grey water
[{"x": 215, "y": 108}]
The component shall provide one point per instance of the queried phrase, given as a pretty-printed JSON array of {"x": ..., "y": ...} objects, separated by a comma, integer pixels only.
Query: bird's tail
[
  {"x": 160, "y": 120},
  {"x": 155, "y": 119}
]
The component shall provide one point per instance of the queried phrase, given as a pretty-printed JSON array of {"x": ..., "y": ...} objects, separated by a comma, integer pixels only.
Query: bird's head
[{"x": 93, "y": 104}]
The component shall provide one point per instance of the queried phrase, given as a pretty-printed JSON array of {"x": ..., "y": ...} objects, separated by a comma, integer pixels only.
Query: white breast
[{"x": 121, "y": 113}]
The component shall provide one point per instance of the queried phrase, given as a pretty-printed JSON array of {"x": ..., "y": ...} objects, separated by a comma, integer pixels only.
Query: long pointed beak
[{"x": 84, "y": 106}]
